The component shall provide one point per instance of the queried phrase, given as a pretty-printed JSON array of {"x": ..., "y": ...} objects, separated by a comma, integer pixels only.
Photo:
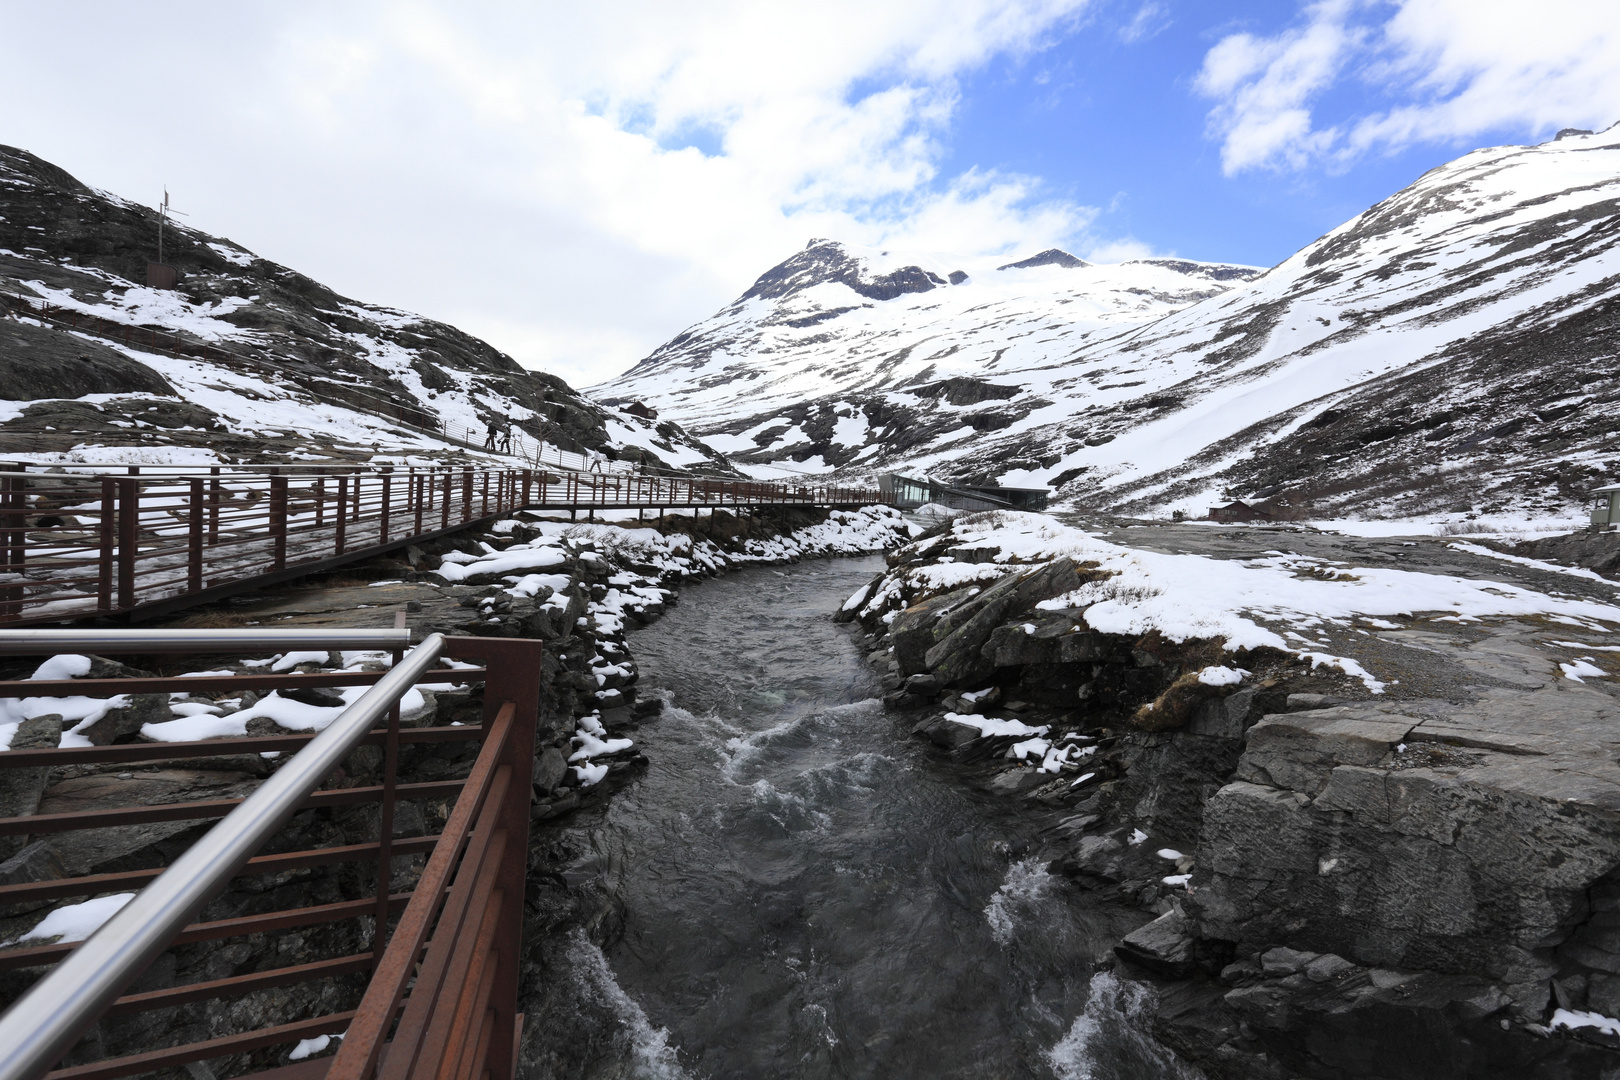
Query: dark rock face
[
  {"x": 1596, "y": 551},
  {"x": 36, "y": 362},
  {"x": 1049, "y": 257},
  {"x": 963, "y": 390},
  {"x": 1212, "y": 271},
  {"x": 826, "y": 260}
]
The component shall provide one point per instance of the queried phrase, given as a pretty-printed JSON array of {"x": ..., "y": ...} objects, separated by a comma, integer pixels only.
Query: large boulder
[
  {"x": 957, "y": 656},
  {"x": 1349, "y": 832}
]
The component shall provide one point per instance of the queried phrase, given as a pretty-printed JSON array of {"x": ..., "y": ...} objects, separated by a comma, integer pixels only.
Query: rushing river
[{"x": 807, "y": 891}]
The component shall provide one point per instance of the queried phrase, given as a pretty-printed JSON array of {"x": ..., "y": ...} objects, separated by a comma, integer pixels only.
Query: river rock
[
  {"x": 549, "y": 768},
  {"x": 38, "y": 733},
  {"x": 122, "y": 723},
  {"x": 36, "y": 862},
  {"x": 1468, "y": 870},
  {"x": 1164, "y": 945},
  {"x": 916, "y": 629},
  {"x": 1016, "y": 781},
  {"x": 922, "y": 685},
  {"x": 945, "y": 733},
  {"x": 22, "y": 789},
  {"x": 958, "y": 657},
  {"x": 1223, "y": 718},
  {"x": 321, "y": 696}
]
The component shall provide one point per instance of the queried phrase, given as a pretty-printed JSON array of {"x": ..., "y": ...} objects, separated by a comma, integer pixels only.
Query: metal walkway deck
[{"x": 81, "y": 542}]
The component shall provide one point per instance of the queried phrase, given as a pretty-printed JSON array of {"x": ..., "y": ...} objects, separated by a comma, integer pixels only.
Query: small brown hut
[{"x": 1238, "y": 511}]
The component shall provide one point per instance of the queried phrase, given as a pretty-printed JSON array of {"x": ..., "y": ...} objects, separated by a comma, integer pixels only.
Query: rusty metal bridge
[
  {"x": 80, "y": 542},
  {"x": 411, "y": 948}
]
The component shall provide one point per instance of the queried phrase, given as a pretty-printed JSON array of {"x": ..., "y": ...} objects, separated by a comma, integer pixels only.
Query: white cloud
[
  {"x": 1150, "y": 19},
  {"x": 1454, "y": 69},
  {"x": 574, "y": 182}
]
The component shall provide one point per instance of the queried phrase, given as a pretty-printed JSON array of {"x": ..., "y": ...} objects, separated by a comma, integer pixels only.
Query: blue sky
[
  {"x": 577, "y": 183},
  {"x": 1110, "y": 115}
]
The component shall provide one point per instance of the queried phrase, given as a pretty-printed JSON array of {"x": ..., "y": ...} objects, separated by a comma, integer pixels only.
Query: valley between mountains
[
  {"x": 1449, "y": 351},
  {"x": 1092, "y": 792}
]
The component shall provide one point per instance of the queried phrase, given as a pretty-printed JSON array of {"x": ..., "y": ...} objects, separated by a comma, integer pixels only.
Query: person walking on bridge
[
  {"x": 506, "y": 439},
  {"x": 489, "y": 439}
]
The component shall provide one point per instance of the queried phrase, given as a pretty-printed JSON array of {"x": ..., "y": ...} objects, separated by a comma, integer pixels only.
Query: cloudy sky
[{"x": 578, "y": 182}]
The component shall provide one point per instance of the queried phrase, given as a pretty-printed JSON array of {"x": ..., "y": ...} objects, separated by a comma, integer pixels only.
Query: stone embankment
[{"x": 1332, "y": 880}]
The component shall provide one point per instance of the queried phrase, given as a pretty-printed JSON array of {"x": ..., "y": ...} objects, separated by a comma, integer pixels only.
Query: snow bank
[
  {"x": 75, "y": 922},
  {"x": 1245, "y": 603}
]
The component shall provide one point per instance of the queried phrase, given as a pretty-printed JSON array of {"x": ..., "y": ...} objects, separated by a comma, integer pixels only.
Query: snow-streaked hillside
[
  {"x": 1453, "y": 347},
  {"x": 843, "y": 356},
  {"x": 246, "y": 360}
]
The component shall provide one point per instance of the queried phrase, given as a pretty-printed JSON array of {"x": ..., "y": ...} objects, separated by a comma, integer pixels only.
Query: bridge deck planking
[{"x": 85, "y": 544}]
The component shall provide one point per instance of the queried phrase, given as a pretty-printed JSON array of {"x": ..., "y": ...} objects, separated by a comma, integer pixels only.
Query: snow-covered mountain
[
  {"x": 245, "y": 360},
  {"x": 842, "y": 356},
  {"x": 1453, "y": 347}
]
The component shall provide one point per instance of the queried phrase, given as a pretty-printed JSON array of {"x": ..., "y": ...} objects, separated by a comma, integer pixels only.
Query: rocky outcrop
[
  {"x": 1339, "y": 883},
  {"x": 73, "y": 310}
]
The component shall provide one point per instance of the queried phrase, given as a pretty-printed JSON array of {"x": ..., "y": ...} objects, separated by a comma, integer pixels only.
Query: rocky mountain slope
[
  {"x": 845, "y": 357},
  {"x": 245, "y": 359},
  {"x": 1450, "y": 349}
]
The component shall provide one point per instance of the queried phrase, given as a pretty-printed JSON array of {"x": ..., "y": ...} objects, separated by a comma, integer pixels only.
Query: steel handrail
[
  {"x": 40, "y": 642},
  {"x": 45, "y": 1022}
]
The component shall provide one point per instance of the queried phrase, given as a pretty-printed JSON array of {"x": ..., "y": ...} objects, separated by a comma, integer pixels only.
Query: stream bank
[
  {"x": 792, "y": 886},
  {"x": 1369, "y": 810}
]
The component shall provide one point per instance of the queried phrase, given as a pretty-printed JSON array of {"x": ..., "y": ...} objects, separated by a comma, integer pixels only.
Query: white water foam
[
  {"x": 742, "y": 750},
  {"x": 1105, "y": 1043},
  {"x": 1026, "y": 884},
  {"x": 651, "y": 1056}
]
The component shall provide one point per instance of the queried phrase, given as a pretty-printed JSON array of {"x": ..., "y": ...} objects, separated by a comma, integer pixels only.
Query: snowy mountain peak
[
  {"x": 837, "y": 334},
  {"x": 824, "y": 261},
  {"x": 1449, "y": 349},
  {"x": 1049, "y": 257}
]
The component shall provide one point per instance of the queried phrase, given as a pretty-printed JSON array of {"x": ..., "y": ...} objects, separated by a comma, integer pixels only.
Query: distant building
[
  {"x": 910, "y": 493},
  {"x": 162, "y": 276},
  {"x": 646, "y": 412},
  {"x": 1238, "y": 511},
  {"x": 1606, "y": 506}
]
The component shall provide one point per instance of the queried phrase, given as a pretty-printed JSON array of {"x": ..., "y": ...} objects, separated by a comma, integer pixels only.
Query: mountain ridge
[
  {"x": 269, "y": 362},
  {"x": 1357, "y": 376}
]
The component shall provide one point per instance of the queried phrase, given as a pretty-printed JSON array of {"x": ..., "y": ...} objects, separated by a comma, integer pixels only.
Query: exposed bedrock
[{"x": 1335, "y": 884}]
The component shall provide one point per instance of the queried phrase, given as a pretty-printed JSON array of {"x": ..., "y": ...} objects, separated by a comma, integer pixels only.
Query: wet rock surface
[{"x": 1341, "y": 884}]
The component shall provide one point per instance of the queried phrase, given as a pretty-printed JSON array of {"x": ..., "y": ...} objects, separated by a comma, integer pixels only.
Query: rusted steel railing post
[
  {"x": 382, "y": 523},
  {"x": 278, "y": 520},
  {"x": 342, "y": 517},
  {"x": 213, "y": 507},
  {"x": 320, "y": 498},
  {"x": 528, "y": 478},
  {"x": 194, "y": 552},
  {"x": 418, "y": 491},
  {"x": 484, "y": 473},
  {"x": 109, "y": 540},
  {"x": 444, "y": 523},
  {"x": 129, "y": 531},
  {"x": 466, "y": 493}
]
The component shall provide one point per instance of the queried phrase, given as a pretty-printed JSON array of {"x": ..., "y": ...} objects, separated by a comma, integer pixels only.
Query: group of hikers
[{"x": 499, "y": 439}]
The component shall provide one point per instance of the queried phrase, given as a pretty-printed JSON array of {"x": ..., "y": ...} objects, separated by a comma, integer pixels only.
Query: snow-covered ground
[
  {"x": 1278, "y": 600},
  {"x": 1401, "y": 358}
]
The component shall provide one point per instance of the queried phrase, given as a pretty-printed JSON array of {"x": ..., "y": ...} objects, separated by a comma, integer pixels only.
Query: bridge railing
[
  {"x": 81, "y": 543},
  {"x": 436, "y": 996}
]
